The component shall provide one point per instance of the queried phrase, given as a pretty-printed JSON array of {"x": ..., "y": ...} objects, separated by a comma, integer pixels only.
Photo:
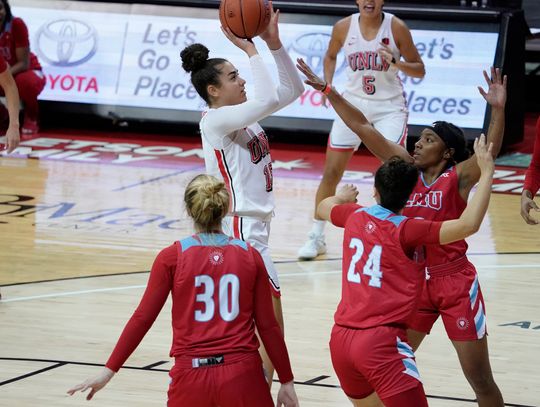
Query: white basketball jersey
[
  {"x": 370, "y": 76},
  {"x": 245, "y": 165}
]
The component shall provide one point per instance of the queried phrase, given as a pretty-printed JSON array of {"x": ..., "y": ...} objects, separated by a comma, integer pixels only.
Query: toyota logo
[
  {"x": 312, "y": 47},
  {"x": 66, "y": 42}
]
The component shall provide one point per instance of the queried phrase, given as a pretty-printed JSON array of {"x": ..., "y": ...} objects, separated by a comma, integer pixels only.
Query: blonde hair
[{"x": 207, "y": 202}]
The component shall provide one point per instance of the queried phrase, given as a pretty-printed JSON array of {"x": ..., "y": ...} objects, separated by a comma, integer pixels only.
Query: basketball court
[{"x": 84, "y": 214}]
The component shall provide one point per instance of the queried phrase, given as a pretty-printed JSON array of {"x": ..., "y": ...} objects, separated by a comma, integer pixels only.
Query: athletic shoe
[
  {"x": 313, "y": 247},
  {"x": 30, "y": 127}
]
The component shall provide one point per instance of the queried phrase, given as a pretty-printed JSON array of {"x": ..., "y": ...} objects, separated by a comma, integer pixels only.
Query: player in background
[
  {"x": 220, "y": 294},
  {"x": 532, "y": 182},
  {"x": 236, "y": 148},
  {"x": 23, "y": 65},
  {"x": 7, "y": 83},
  {"x": 374, "y": 43},
  {"x": 382, "y": 278},
  {"x": 447, "y": 176}
]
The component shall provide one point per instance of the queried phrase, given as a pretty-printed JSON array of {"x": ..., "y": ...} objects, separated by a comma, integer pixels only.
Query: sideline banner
[{"x": 133, "y": 60}]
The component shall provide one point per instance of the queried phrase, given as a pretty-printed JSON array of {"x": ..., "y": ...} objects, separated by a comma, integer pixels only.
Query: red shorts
[
  {"x": 376, "y": 359},
  {"x": 452, "y": 291},
  {"x": 238, "y": 382}
]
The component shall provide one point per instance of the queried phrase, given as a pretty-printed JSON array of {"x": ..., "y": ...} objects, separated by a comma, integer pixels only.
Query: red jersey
[
  {"x": 220, "y": 291},
  {"x": 15, "y": 35},
  {"x": 3, "y": 64},
  {"x": 532, "y": 176},
  {"x": 383, "y": 265},
  {"x": 439, "y": 201}
]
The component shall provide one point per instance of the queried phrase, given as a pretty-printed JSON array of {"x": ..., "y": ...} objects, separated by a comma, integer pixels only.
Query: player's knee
[{"x": 481, "y": 382}]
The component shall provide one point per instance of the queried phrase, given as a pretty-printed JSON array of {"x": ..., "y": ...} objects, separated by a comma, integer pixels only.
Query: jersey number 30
[
  {"x": 229, "y": 306},
  {"x": 372, "y": 267}
]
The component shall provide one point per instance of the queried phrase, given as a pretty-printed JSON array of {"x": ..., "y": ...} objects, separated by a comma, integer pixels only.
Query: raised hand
[
  {"x": 95, "y": 383},
  {"x": 245, "y": 45},
  {"x": 311, "y": 79},
  {"x": 496, "y": 92},
  {"x": 484, "y": 156},
  {"x": 347, "y": 193},
  {"x": 271, "y": 34}
]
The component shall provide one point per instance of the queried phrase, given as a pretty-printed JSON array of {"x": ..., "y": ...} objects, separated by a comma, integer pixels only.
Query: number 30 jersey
[
  {"x": 383, "y": 265},
  {"x": 220, "y": 292},
  {"x": 370, "y": 76}
]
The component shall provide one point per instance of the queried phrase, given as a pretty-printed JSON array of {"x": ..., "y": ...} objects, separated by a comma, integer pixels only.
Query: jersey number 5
[
  {"x": 372, "y": 267},
  {"x": 229, "y": 306},
  {"x": 368, "y": 84}
]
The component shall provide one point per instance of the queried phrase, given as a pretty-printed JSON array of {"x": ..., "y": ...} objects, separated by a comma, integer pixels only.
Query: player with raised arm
[
  {"x": 447, "y": 175},
  {"x": 382, "y": 278},
  {"x": 236, "y": 148},
  {"x": 377, "y": 46}
]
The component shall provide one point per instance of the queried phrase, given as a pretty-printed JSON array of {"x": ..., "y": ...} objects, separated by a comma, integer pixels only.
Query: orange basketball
[{"x": 245, "y": 18}]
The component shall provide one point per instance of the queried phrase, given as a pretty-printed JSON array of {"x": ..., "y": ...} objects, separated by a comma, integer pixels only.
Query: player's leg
[
  {"x": 342, "y": 143},
  {"x": 474, "y": 359},
  {"x": 256, "y": 233},
  {"x": 425, "y": 316},
  {"x": 370, "y": 401},
  {"x": 464, "y": 319}
]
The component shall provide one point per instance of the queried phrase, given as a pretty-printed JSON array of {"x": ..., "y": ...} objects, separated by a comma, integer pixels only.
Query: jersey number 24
[{"x": 372, "y": 266}]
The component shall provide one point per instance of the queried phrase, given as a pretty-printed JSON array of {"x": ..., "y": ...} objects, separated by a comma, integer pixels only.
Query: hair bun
[{"x": 194, "y": 57}]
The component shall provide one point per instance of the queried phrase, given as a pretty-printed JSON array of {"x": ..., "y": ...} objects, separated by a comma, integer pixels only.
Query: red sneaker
[{"x": 30, "y": 127}]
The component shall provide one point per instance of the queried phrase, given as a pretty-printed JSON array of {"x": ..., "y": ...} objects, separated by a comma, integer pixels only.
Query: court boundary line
[{"x": 311, "y": 382}]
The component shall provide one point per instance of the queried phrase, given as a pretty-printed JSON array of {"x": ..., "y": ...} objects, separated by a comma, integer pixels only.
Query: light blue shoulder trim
[
  {"x": 238, "y": 242},
  {"x": 213, "y": 239},
  {"x": 381, "y": 213},
  {"x": 188, "y": 243}
]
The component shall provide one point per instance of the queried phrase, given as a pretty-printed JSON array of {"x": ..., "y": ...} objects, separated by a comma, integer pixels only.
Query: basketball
[{"x": 245, "y": 18}]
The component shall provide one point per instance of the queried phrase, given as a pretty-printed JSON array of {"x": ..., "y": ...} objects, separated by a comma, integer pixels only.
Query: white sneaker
[{"x": 313, "y": 247}]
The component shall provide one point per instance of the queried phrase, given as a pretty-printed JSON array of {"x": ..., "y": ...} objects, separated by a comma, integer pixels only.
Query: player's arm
[
  {"x": 339, "y": 32},
  {"x": 156, "y": 293},
  {"x": 470, "y": 220},
  {"x": 412, "y": 64},
  {"x": 12, "y": 101},
  {"x": 355, "y": 119},
  {"x": 290, "y": 84},
  {"x": 346, "y": 194},
  {"x": 468, "y": 171}
]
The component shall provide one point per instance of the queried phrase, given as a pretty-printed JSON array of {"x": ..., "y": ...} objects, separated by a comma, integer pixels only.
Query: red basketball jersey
[
  {"x": 15, "y": 35},
  {"x": 380, "y": 283},
  {"x": 439, "y": 201},
  {"x": 213, "y": 315}
]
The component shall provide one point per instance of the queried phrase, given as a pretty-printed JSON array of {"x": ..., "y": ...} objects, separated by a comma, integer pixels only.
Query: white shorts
[
  {"x": 256, "y": 232},
  {"x": 389, "y": 117}
]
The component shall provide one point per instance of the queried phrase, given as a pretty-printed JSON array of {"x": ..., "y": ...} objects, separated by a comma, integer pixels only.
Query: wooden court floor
[{"x": 77, "y": 240}]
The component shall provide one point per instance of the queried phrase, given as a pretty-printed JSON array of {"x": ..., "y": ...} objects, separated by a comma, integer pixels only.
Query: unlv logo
[
  {"x": 432, "y": 199},
  {"x": 258, "y": 146}
]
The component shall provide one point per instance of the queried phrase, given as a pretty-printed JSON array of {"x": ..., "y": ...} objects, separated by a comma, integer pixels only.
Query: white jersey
[
  {"x": 236, "y": 148},
  {"x": 370, "y": 76}
]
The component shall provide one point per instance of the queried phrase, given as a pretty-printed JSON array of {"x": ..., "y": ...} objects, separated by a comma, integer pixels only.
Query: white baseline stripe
[
  {"x": 300, "y": 274},
  {"x": 68, "y": 293}
]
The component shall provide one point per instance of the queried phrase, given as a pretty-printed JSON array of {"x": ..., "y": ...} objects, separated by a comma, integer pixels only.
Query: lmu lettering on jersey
[
  {"x": 258, "y": 146},
  {"x": 367, "y": 60},
  {"x": 433, "y": 200}
]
